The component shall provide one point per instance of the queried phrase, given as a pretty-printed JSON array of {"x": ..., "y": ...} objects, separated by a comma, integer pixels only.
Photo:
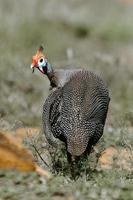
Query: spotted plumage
[
  {"x": 76, "y": 109},
  {"x": 77, "y": 112}
]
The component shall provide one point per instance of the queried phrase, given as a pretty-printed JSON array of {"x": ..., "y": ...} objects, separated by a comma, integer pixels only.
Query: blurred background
[{"x": 92, "y": 34}]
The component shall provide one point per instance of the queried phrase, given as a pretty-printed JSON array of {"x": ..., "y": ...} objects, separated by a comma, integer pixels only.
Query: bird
[{"x": 75, "y": 111}]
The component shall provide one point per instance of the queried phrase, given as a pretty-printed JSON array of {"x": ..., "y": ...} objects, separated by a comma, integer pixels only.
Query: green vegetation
[{"x": 100, "y": 34}]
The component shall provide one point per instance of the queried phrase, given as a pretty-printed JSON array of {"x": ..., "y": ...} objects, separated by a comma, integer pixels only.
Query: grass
[
  {"x": 114, "y": 184},
  {"x": 100, "y": 36}
]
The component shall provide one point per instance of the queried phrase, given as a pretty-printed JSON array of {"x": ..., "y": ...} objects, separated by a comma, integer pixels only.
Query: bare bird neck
[{"x": 53, "y": 79}]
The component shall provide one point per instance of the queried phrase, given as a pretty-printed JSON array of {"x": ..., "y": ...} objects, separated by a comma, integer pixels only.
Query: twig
[
  {"x": 39, "y": 155},
  {"x": 32, "y": 144}
]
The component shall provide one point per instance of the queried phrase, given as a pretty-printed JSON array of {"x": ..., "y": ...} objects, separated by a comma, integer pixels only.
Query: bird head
[{"x": 39, "y": 61}]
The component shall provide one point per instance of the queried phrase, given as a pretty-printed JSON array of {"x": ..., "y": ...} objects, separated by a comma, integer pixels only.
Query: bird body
[
  {"x": 76, "y": 109},
  {"x": 63, "y": 76},
  {"x": 75, "y": 113}
]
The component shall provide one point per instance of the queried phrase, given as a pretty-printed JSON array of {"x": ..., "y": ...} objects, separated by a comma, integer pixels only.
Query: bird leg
[{"x": 73, "y": 163}]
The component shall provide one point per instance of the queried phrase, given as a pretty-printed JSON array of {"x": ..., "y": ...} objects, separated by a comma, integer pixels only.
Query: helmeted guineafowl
[{"x": 75, "y": 111}]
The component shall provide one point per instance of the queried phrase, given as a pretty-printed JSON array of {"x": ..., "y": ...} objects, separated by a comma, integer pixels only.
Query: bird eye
[{"x": 41, "y": 60}]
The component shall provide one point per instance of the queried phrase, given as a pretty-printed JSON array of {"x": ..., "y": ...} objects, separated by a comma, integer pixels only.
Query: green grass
[{"x": 112, "y": 184}]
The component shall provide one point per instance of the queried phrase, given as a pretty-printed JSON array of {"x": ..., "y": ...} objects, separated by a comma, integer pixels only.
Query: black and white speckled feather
[{"x": 76, "y": 112}]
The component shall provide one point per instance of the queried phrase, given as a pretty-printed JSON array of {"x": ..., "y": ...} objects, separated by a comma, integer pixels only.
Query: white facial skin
[{"x": 42, "y": 63}]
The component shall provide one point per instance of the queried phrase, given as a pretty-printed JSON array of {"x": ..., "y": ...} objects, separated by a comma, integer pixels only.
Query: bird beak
[{"x": 32, "y": 67}]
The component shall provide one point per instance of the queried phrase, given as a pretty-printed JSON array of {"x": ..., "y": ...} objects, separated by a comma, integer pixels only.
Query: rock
[{"x": 13, "y": 155}]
